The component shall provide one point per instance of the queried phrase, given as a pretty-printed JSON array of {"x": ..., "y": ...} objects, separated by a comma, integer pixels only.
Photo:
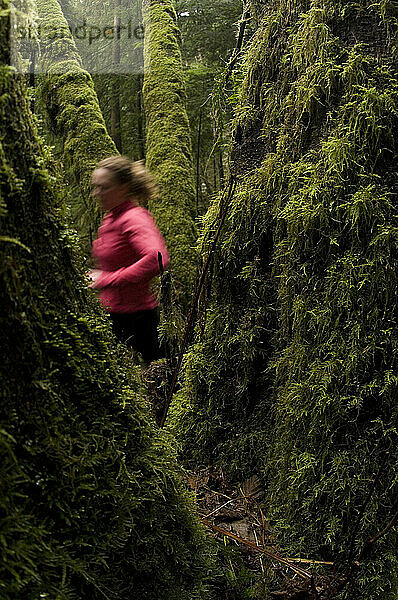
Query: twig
[
  {"x": 239, "y": 44},
  {"x": 242, "y": 496},
  {"x": 220, "y": 507},
  {"x": 261, "y": 559},
  {"x": 262, "y": 526},
  {"x": 205, "y": 487},
  {"x": 381, "y": 533},
  {"x": 310, "y": 561},
  {"x": 192, "y": 313}
]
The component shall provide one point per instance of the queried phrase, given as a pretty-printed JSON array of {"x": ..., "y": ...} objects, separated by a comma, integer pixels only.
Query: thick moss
[
  {"x": 169, "y": 155},
  {"x": 293, "y": 372},
  {"x": 91, "y": 500},
  {"x": 72, "y": 106}
]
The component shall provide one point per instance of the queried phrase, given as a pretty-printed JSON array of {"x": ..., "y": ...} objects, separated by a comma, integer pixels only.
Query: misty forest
[{"x": 259, "y": 458}]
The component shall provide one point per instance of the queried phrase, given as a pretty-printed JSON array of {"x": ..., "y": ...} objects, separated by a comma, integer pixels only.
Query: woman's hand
[{"x": 94, "y": 276}]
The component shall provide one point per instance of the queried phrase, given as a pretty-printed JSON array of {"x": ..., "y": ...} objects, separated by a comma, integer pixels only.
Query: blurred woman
[{"x": 129, "y": 253}]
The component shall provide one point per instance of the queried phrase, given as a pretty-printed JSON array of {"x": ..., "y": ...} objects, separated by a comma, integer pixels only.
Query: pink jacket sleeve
[{"x": 147, "y": 242}]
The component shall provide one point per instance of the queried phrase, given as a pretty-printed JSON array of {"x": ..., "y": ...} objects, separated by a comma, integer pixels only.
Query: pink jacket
[{"x": 126, "y": 251}]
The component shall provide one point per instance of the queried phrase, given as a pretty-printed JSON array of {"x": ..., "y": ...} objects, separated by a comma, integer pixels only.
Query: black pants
[{"x": 139, "y": 330}]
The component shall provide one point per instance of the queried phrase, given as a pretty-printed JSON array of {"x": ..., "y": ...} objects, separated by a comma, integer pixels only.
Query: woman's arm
[{"x": 146, "y": 240}]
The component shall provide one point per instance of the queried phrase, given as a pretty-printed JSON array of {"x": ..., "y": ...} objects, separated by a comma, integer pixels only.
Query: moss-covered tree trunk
[
  {"x": 293, "y": 374},
  {"x": 72, "y": 105},
  {"x": 90, "y": 496},
  {"x": 116, "y": 80},
  {"x": 169, "y": 153}
]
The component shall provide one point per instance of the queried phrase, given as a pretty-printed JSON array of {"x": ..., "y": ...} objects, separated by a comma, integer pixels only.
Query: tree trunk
[
  {"x": 72, "y": 106},
  {"x": 294, "y": 375},
  {"x": 168, "y": 148}
]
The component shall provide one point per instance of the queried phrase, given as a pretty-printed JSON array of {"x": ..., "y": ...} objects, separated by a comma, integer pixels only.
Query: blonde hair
[{"x": 140, "y": 181}]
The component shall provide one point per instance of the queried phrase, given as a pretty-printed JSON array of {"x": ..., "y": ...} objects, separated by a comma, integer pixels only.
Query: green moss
[
  {"x": 92, "y": 504},
  {"x": 169, "y": 155},
  {"x": 292, "y": 372}
]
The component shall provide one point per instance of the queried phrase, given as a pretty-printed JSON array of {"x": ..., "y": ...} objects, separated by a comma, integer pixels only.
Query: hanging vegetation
[
  {"x": 169, "y": 155},
  {"x": 90, "y": 495},
  {"x": 293, "y": 371}
]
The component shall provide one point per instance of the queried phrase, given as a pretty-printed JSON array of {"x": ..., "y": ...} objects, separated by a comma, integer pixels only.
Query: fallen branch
[
  {"x": 311, "y": 561},
  {"x": 368, "y": 545},
  {"x": 254, "y": 546}
]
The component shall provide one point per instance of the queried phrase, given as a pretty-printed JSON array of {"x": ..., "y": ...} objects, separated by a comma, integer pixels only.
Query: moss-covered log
[
  {"x": 72, "y": 105},
  {"x": 293, "y": 374},
  {"x": 90, "y": 495},
  {"x": 169, "y": 155}
]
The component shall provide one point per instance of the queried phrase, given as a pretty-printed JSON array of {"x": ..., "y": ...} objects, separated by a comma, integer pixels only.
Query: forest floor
[{"x": 234, "y": 515}]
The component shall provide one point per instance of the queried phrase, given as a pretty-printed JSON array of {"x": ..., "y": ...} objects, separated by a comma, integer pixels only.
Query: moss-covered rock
[
  {"x": 169, "y": 155},
  {"x": 91, "y": 500},
  {"x": 293, "y": 372}
]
